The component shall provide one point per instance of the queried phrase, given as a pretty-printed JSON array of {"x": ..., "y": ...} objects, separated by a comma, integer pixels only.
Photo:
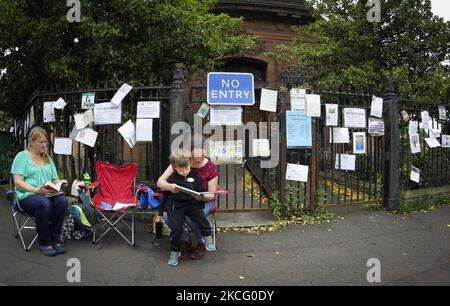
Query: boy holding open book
[{"x": 180, "y": 204}]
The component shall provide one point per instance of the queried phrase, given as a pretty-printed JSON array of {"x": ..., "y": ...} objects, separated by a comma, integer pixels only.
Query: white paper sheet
[
  {"x": 425, "y": 120},
  {"x": 442, "y": 112},
  {"x": 144, "y": 130},
  {"x": 84, "y": 119},
  {"x": 432, "y": 142},
  {"x": 87, "y": 136},
  {"x": 347, "y": 162},
  {"x": 60, "y": 103},
  {"x": 414, "y": 142},
  {"x": 340, "y": 135},
  {"x": 49, "y": 112},
  {"x": 261, "y": 147},
  {"x": 269, "y": 99},
  {"x": 376, "y": 127},
  {"x": 332, "y": 113},
  {"x": 354, "y": 117},
  {"x": 434, "y": 133},
  {"x": 298, "y": 99},
  {"x": 226, "y": 115},
  {"x": 107, "y": 113},
  {"x": 32, "y": 117},
  {"x": 121, "y": 93},
  {"x": 446, "y": 141},
  {"x": 148, "y": 109},
  {"x": 118, "y": 206},
  {"x": 88, "y": 100},
  {"x": 415, "y": 174},
  {"x": 297, "y": 173},
  {"x": 128, "y": 132},
  {"x": 376, "y": 108},
  {"x": 313, "y": 105},
  {"x": 413, "y": 127},
  {"x": 62, "y": 146},
  {"x": 359, "y": 143},
  {"x": 203, "y": 110}
]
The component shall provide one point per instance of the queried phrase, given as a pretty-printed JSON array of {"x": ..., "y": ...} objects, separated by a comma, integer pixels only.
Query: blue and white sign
[
  {"x": 226, "y": 88},
  {"x": 298, "y": 129}
]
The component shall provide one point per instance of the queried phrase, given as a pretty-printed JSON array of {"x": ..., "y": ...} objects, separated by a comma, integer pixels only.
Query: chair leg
[
  {"x": 19, "y": 227},
  {"x": 112, "y": 225},
  {"x": 133, "y": 244},
  {"x": 16, "y": 233},
  {"x": 214, "y": 229},
  {"x": 94, "y": 231},
  {"x": 31, "y": 243}
]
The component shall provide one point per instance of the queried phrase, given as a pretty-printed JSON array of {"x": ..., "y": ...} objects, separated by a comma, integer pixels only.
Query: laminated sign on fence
[{"x": 226, "y": 152}]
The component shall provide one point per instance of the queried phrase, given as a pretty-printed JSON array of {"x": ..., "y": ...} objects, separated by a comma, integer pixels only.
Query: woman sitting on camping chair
[{"x": 32, "y": 168}]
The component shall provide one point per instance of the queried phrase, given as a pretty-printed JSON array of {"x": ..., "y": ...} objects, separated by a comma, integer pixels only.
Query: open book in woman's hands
[{"x": 54, "y": 187}]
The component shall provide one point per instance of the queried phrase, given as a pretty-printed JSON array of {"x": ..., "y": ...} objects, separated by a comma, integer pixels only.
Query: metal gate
[
  {"x": 364, "y": 185},
  {"x": 249, "y": 185}
]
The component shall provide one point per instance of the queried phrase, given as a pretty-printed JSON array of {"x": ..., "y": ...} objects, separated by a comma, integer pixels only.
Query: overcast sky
[{"x": 441, "y": 8}]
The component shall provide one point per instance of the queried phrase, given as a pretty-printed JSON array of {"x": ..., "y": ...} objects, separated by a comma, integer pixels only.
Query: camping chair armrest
[
  {"x": 87, "y": 190},
  {"x": 221, "y": 191},
  {"x": 10, "y": 194},
  {"x": 138, "y": 188},
  {"x": 91, "y": 187}
]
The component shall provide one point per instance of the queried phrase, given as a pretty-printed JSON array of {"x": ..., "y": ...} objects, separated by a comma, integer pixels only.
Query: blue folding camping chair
[{"x": 22, "y": 221}]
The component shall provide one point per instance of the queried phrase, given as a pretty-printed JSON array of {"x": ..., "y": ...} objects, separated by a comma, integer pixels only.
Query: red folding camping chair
[{"x": 116, "y": 196}]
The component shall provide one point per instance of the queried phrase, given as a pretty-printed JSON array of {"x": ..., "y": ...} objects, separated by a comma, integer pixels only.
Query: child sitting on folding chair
[{"x": 180, "y": 204}]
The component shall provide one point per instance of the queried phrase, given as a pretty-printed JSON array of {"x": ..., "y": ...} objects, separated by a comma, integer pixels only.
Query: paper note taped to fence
[
  {"x": 128, "y": 132},
  {"x": 87, "y": 136},
  {"x": 226, "y": 152},
  {"x": 354, "y": 118},
  {"x": 345, "y": 162},
  {"x": 107, "y": 113},
  {"x": 261, "y": 147},
  {"x": 49, "y": 112},
  {"x": 446, "y": 141},
  {"x": 148, "y": 110},
  {"x": 376, "y": 127},
  {"x": 415, "y": 174},
  {"x": 332, "y": 112},
  {"x": 414, "y": 142},
  {"x": 62, "y": 146},
  {"x": 297, "y": 173},
  {"x": 298, "y": 99},
  {"x": 121, "y": 93}
]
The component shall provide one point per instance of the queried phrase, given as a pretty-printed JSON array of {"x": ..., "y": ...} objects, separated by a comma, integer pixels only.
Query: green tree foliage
[
  {"x": 345, "y": 50},
  {"x": 116, "y": 41}
]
